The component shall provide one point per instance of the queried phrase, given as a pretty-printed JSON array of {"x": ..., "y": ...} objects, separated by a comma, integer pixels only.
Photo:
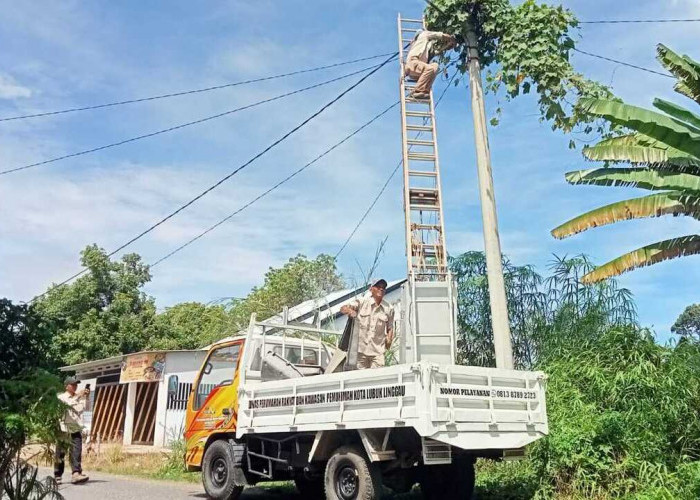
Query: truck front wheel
[
  {"x": 217, "y": 472},
  {"x": 351, "y": 476}
]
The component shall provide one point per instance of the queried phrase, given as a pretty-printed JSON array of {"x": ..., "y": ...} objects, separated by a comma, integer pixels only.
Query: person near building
[
  {"x": 72, "y": 427},
  {"x": 374, "y": 320},
  {"x": 424, "y": 47}
]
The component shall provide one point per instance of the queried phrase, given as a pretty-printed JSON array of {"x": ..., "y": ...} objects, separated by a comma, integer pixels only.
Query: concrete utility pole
[{"x": 492, "y": 244}]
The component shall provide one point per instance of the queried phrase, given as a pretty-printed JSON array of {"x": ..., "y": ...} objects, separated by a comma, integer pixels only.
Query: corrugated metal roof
[
  {"x": 101, "y": 363},
  {"x": 327, "y": 307}
]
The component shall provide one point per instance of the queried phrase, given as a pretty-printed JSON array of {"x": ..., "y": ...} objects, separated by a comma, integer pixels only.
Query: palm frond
[
  {"x": 646, "y": 256},
  {"x": 684, "y": 68},
  {"x": 655, "y": 205},
  {"x": 643, "y": 178},
  {"x": 673, "y": 132}
]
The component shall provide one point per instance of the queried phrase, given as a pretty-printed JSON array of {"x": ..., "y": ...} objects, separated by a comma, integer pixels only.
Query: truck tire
[
  {"x": 351, "y": 476},
  {"x": 310, "y": 489},
  {"x": 448, "y": 481},
  {"x": 217, "y": 472}
]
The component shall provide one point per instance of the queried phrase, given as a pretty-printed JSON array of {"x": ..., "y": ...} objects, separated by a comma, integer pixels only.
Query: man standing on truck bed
[{"x": 374, "y": 326}]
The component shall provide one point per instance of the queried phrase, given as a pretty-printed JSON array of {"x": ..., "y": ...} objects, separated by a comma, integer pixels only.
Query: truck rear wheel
[
  {"x": 351, "y": 476},
  {"x": 455, "y": 480},
  {"x": 217, "y": 472}
]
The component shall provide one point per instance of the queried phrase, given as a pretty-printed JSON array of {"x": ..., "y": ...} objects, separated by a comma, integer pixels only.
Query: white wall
[{"x": 171, "y": 423}]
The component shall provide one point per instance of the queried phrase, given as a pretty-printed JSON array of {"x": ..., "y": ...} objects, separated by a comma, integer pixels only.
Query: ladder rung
[
  {"x": 426, "y": 227},
  {"x": 422, "y": 191},
  {"x": 425, "y": 208},
  {"x": 431, "y": 299},
  {"x": 433, "y": 335},
  {"x": 420, "y": 142},
  {"x": 420, "y": 173},
  {"x": 418, "y": 113},
  {"x": 404, "y": 20},
  {"x": 410, "y": 30},
  {"x": 421, "y": 156},
  {"x": 422, "y": 128},
  {"x": 413, "y": 100}
]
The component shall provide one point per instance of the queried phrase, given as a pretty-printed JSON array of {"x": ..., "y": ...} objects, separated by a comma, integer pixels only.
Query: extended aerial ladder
[{"x": 429, "y": 328}]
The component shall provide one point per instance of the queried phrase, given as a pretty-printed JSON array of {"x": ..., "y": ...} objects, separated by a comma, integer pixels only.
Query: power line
[
  {"x": 189, "y": 92},
  {"x": 624, "y": 63},
  {"x": 625, "y": 21},
  {"x": 238, "y": 169},
  {"x": 283, "y": 181},
  {"x": 391, "y": 176},
  {"x": 183, "y": 125}
]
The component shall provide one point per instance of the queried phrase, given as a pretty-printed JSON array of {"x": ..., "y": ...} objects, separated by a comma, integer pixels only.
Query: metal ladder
[
  {"x": 425, "y": 234},
  {"x": 430, "y": 294}
]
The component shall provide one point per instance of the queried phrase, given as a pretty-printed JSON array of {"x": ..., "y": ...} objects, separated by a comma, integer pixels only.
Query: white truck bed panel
[{"x": 468, "y": 407}]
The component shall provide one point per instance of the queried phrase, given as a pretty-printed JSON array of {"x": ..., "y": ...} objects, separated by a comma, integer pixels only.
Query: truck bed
[{"x": 472, "y": 408}]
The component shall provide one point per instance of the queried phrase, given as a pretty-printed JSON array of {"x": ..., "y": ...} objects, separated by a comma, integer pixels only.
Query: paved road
[{"x": 108, "y": 487}]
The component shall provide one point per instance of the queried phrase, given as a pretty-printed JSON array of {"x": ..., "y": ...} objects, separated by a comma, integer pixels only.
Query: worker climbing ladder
[
  {"x": 428, "y": 331},
  {"x": 425, "y": 234}
]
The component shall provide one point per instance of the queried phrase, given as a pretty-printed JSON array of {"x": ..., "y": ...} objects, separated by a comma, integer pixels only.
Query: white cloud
[{"x": 10, "y": 89}]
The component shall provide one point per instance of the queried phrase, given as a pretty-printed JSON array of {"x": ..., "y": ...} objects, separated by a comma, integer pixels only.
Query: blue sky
[{"x": 63, "y": 54}]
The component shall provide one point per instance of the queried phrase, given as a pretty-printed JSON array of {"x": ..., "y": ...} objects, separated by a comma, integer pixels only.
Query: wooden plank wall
[
  {"x": 109, "y": 412},
  {"x": 145, "y": 416}
]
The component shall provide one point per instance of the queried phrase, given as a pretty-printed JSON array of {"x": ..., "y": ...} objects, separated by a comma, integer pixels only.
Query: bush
[{"x": 623, "y": 423}]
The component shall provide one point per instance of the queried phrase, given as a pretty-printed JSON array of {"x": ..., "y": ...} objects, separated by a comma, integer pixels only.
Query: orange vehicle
[{"x": 213, "y": 405}]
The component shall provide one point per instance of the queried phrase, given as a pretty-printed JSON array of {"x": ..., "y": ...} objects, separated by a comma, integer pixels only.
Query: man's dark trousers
[{"x": 76, "y": 453}]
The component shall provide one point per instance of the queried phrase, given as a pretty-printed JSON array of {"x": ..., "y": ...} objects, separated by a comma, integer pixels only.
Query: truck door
[{"x": 213, "y": 404}]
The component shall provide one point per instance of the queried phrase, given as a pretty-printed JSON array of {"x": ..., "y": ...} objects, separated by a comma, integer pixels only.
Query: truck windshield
[{"x": 218, "y": 371}]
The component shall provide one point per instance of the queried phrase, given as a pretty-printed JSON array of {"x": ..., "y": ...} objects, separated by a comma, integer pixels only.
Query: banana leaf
[
  {"x": 684, "y": 68},
  {"x": 643, "y": 178},
  {"x": 655, "y": 205},
  {"x": 646, "y": 256},
  {"x": 670, "y": 131},
  {"x": 678, "y": 112}
]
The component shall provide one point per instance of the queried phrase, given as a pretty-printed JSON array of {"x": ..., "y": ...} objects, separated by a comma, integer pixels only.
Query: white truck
[{"x": 275, "y": 404}]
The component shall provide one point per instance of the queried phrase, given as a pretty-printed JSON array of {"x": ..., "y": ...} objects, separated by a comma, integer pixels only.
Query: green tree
[
  {"x": 525, "y": 48},
  {"x": 191, "y": 325},
  {"x": 688, "y": 323},
  {"x": 103, "y": 313},
  {"x": 300, "y": 279},
  {"x": 28, "y": 402},
  {"x": 663, "y": 153},
  {"x": 544, "y": 313}
]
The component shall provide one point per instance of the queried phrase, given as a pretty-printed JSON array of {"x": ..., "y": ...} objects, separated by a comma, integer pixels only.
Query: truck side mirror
[{"x": 207, "y": 368}]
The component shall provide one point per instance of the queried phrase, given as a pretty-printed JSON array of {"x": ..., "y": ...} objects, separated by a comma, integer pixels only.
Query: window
[
  {"x": 293, "y": 355},
  {"x": 218, "y": 371}
]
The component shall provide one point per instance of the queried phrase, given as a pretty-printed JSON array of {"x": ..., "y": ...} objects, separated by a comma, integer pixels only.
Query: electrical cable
[
  {"x": 391, "y": 176},
  {"x": 237, "y": 170},
  {"x": 624, "y": 63},
  {"x": 283, "y": 181},
  {"x": 183, "y": 125},
  {"x": 189, "y": 92}
]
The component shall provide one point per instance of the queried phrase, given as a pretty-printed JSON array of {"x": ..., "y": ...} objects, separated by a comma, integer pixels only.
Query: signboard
[
  {"x": 385, "y": 392},
  {"x": 143, "y": 367}
]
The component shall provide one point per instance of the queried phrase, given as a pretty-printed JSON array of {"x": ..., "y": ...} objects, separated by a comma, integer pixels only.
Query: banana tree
[{"x": 662, "y": 152}]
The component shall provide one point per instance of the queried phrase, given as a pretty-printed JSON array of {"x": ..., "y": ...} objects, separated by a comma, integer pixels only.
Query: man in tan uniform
[
  {"x": 375, "y": 326},
  {"x": 72, "y": 426},
  {"x": 418, "y": 65}
]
